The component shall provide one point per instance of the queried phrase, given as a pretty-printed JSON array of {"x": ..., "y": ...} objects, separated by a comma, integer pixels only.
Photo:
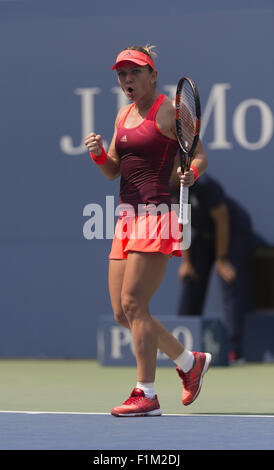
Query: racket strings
[{"x": 187, "y": 115}]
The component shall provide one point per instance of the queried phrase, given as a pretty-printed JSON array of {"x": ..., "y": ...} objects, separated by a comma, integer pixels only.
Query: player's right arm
[{"x": 94, "y": 143}]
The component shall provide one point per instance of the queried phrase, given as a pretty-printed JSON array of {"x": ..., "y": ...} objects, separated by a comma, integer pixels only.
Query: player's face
[{"x": 136, "y": 81}]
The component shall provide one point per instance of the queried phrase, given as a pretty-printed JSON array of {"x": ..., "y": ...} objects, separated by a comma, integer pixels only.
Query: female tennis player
[{"x": 142, "y": 152}]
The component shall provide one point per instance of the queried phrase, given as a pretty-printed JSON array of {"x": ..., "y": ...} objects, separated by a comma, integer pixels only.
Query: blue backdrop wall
[{"x": 56, "y": 85}]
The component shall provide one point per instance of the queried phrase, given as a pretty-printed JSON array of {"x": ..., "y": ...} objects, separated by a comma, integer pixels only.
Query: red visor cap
[{"x": 136, "y": 57}]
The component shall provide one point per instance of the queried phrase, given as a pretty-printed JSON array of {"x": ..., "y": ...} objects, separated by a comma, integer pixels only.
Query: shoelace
[{"x": 132, "y": 399}]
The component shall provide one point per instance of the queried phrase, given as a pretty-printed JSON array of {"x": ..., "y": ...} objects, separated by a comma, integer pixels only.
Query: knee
[
  {"x": 130, "y": 306},
  {"x": 120, "y": 318}
]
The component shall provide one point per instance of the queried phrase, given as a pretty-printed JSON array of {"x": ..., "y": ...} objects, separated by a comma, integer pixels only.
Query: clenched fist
[
  {"x": 186, "y": 178},
  {"x": 94, "y": 143}
]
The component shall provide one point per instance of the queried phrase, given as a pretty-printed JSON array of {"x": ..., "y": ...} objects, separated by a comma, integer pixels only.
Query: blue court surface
[{"x": 85, "y": 431}]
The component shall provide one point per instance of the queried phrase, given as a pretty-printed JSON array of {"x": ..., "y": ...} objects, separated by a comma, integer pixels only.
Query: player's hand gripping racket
[{"x": 188, "y": 121}]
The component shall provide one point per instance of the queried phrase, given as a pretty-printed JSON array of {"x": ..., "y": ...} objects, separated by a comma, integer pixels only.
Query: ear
[{"x": 154, "y": 76}]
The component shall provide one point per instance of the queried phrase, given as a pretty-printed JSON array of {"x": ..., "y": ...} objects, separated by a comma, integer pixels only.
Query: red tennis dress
[{"x": 146, "y": 222}]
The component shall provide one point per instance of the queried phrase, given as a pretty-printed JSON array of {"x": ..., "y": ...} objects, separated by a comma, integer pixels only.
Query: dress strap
[
  {"x": 154, "y": 109},
  {"x": 123, "y": 120}
]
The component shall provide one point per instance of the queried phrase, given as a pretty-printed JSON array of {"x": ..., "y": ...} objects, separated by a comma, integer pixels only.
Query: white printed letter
[
  {"x": 216, "y": 103},
  {"x": 87, "y": 115},
  {"x": 93, "y": 227},
  {"x": 239, "y": 124}
]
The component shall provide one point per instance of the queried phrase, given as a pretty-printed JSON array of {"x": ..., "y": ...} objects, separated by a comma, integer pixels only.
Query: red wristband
[
  {"x": 195, "y": 170},
  {"x": 101, "y": 159}
]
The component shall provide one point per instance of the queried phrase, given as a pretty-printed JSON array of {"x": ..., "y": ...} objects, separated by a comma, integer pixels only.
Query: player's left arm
[{"x": 199, "y": 161}]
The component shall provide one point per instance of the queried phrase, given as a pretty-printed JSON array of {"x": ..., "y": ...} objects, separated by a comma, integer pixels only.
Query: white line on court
[{"x": 242, "y": 415}]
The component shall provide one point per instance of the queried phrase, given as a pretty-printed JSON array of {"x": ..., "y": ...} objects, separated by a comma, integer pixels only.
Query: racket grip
[{"x": 183, "y": 214}]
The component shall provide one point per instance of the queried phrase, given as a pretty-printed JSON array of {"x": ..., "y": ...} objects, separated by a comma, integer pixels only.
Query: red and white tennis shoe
[
  {"x": 192, "y": 380},
  {"x": 138, "y": 405}
]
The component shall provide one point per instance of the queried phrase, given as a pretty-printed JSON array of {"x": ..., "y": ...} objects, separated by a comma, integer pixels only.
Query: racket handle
[
  {"x": 186, "y": 237},
  {"x": 183, "y": 214}
]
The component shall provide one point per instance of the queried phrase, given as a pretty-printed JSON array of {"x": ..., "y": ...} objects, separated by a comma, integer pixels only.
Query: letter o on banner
[{"x": 239, "y": 124}]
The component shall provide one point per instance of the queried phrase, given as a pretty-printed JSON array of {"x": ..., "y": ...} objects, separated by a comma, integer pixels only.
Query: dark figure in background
[{"x": 221, "y": 238}]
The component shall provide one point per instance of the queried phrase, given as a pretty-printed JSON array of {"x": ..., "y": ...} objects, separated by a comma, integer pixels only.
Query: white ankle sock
[
  {"x": 148, "y": 388},
  {"x": 185, "y": 360}
]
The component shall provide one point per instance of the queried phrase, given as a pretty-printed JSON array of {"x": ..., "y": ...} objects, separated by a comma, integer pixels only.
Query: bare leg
[
  {"x": 166, "y": 341},
  {"x": 140, "y": 276},
  {"x": 115, "y": 280},
  {"x": 143, "y": 275}
]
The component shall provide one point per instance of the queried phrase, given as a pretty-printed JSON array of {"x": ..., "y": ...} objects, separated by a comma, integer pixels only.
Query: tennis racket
[{"x": 188, "y": 122}]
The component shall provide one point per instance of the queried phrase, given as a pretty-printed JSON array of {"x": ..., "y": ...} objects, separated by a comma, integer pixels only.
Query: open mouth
[{"x": 130, "y": 89}]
